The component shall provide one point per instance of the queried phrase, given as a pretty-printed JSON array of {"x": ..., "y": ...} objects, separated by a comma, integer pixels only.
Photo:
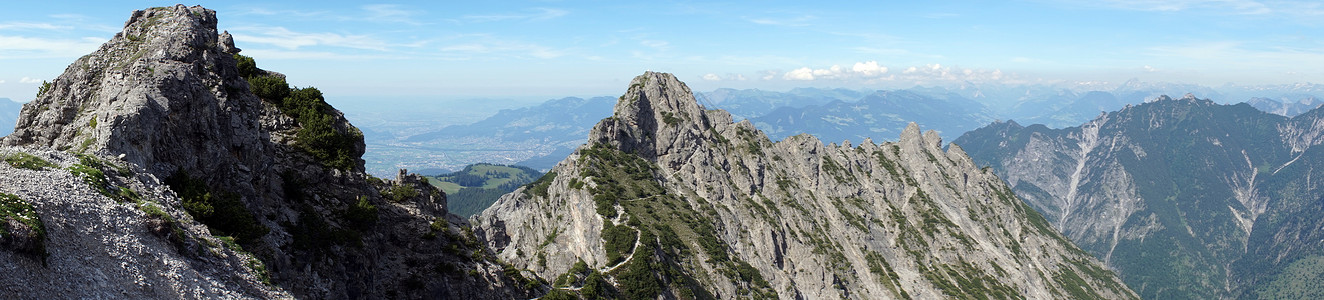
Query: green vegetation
[
  {"x": 670, "y": 118},
  {"x": 470, "y": 191},
  {"x": 1299, "y": 280},
  {"x": 399, "y": 193},
  {"x": 361, "y": 214},
  {"x": 619, "y": 241},
  {"x": 886, "y": 275},
  {"x": 318, "y": 134},
  {"x": 314, "y": 233},
  {"x": 15, "y": 210},
  {"x": 965, "y": 281},
  {"x": 668, "y": 228},
  {"x": 45, "y": 87},
  {"x": 28, "y": 161},
  {"x": 90, "y": 169},
  {"x": 222, "y": 211},
  {"x": 246, "y": 65},
  {"x": 540, "y": 186}
]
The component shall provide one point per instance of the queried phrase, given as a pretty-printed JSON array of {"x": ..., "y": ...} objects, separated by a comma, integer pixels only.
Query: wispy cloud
[
  {"x": 12, "y": 47},
  {"x": 261, "y": 11},
  {"x": 491, "y": 47},
  {"x": 291, "y": 40},
  {"x": 320, "y": 55},
  {"x": 655, "y": 44},
  {"x": 391, "y": 13},
  {"x": 29, "y": 80},
  {"x": 1248, "y": 7},
  {"x": 31, "y": 26},
  {"x": 1238, "y": 55},
  {"x": 537, "y": 14},
  {"x": 797, "y": 21},
  {"x": 376, "y": 13}
]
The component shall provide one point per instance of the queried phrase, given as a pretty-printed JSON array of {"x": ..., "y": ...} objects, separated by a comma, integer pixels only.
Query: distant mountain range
[
  {"x": 1286, "y": 107},
  {"x": 750, "y": 103},
  {"x": 539, "y": 136},
  {"x": 8, "y": 115},
  {"x": 877, "y": 115},
  {"x": 1186, "y": 198}
]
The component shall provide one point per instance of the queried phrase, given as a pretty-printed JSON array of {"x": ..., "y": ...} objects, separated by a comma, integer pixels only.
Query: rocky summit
[
  {"x": 670, "y": 200},
  {"x": 166, "y": 164},
  {"x": 1185, "y": 198}
]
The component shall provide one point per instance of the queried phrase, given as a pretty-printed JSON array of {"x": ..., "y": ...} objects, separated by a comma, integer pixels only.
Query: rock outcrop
[
  {"x": 1185, "y": 198},
  {"x": 275, "y": 168},
  {"x": 672, "y": 200}
]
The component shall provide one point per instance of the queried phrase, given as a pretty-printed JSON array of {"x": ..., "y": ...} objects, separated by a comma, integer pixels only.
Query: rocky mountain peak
[
  {"x": 164, "y": 92},
  {"x": 658, "y": 115},
  {"x": 273, "y": 168}
]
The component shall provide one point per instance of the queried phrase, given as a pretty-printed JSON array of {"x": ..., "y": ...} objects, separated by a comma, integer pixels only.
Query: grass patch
[
  {"x": 28, "y": 161},
  {"x": 32, "y": 238}
]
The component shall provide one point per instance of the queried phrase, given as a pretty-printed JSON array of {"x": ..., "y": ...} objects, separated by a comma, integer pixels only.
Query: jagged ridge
[{"x": 669, "y": 199}]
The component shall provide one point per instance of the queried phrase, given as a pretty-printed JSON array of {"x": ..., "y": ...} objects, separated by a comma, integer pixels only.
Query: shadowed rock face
[
  {"x": 1185, "y": 198},
  {"x": 165, "y": 94},
  {"x": 671, "y": 199}
]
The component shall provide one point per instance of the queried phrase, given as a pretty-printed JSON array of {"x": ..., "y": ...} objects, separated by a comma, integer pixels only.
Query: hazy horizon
[{"x": 533, "y": 51}]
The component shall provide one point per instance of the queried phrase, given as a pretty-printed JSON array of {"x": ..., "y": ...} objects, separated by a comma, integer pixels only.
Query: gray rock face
[
  {"x": 165, "y": 94},
  {"x": 1184, "y": 197},
  {"x": 716, "y": 209},
  {"x": 101, "y": 247}
]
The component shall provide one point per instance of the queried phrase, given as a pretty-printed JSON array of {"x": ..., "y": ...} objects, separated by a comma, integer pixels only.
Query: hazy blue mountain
[
  {"x": 509, "y": 136},
  {"x": 8, "y": 115},
  {"x": 881, "y": 115},
  {"x": 1286, "y": 108},
  {"x": 745, "y": 104},
  {"x": 1186, "y": 198}
]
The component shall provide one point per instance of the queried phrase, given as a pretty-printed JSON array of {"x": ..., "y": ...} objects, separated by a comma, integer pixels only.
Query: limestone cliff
[
  {"x": 668, "y": 199},
  {"x": 274, "y": 168},
  {"x": 1184, "y": 197}
]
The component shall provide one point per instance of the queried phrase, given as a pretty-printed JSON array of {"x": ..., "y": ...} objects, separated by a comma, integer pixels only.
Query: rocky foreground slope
[
  {"x": 670, "y": 200},
  {"x": 1184, "y": 197},
  {"x": 267, "y": 168}
]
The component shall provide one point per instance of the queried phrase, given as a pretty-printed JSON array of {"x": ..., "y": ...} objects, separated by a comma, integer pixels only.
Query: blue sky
[{"x": 550, "y": 49}]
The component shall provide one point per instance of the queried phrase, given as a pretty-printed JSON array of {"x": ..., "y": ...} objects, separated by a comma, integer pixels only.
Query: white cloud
[
  {"x": 860, "y": 70},
  {"x": 769, "y": 74},
  {"x": 711, "y": 77},
  {"x": 871, "y": 71},
  {"x": 1150, "y": 69},
  {"x": 2, "y": 81},
  {"x": 29, "y": 80},
  {"x": 869, "y": 68},
  {"x": 799, "y": 74},
  {"x": 291, "y": 40}
]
